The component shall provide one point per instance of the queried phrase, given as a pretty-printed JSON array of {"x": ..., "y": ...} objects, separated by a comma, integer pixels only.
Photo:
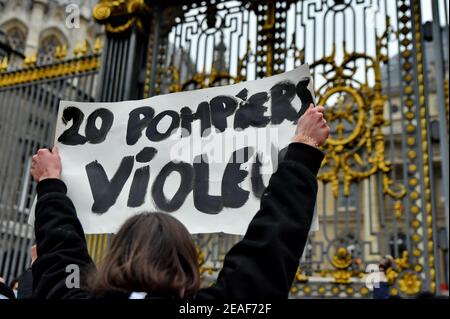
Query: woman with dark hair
[
  {"x": 153, "y": 255},
  {"x": 152, "y": 252}
]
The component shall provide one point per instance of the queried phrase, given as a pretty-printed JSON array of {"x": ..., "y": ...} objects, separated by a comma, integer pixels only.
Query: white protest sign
[{"x": 203, "y": 156}]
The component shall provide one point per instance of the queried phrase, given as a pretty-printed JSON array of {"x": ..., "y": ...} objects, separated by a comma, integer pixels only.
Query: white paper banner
[{"x": 203, "y": 156}]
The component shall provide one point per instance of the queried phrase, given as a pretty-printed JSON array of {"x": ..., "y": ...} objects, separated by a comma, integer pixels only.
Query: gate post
[
  {"x": 127, "y": 25},
  {"x": 424, "y": 155},
  {"x": 441, "y": 105}
]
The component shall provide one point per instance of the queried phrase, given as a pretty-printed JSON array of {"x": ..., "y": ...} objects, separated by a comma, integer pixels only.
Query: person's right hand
[
  {"x": 33, "y": 254},
  {"x": 46, "y": 164},
  {"x": 312, "y": 128}
]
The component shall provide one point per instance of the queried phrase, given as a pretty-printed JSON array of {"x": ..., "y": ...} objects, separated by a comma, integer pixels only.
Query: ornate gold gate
[{"x": 379, "y": 190}]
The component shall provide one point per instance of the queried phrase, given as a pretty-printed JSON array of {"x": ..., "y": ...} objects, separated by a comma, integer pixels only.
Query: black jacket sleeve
[
  {"x": 263, "y": 264},
  {"x": 60, "y": 242},
  {"x": 25, "y": 290}
]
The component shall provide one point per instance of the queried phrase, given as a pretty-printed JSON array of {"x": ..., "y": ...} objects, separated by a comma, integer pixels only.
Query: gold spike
[
  {"x": 30, "y": 60},
  {"x": 33, "y": 59},
  {"x": 57, "y": 52},
  {"x": 77, "y": 49},
  {"x": 98, "y": 45},
  {"x": 81, "y": 48},
  {"x": 63, "y": 52},
  {"x": 28, "y": 74},
  {"x": 4, "y": 64},
  {"x": 84, "y": 47},
  {"x": 60, "y": 52}
]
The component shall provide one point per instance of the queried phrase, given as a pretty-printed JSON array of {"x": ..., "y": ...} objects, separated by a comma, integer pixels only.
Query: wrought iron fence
[{"x": 29, "y": 99}]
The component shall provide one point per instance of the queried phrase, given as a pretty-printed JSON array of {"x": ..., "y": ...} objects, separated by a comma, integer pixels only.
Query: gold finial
[
  {"x": 30, "y": 60},
  {"x": 98, "y": 45},
  {"x": 60, "y": 52},
  {"x": 76, "y": 50},
  {"x": 84, "y": 47},
  {"x": 81, "y": 48},
  {"x": 57, "y": 52},
  {"x": 4, "y": 64},
  {"x": 63, "y": 51}
]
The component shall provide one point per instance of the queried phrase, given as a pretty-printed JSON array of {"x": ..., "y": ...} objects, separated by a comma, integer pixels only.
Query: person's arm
[
  {"x": 5, "y": 291},
  {"x": 59, "y": 236},
  {"x": 263, "y": 264}
]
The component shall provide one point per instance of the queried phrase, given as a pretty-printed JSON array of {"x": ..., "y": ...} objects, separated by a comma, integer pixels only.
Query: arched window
[
  {"x": 47, "y": 48},
  {"x": 16, "y": 39}
]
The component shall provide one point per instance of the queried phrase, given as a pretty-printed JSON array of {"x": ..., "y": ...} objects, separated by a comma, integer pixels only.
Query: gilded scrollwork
[
  {"x": 356, "y": 149},
  {"x": 410, "y": 283},
  {"x": 120, "y": 15},
  {"x": 203, "y": 80},
  {"x": 342, "y": 260},
  {"x": 402, "y": 278}
]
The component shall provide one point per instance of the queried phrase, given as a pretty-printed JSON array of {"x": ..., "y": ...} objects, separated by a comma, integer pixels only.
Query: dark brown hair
[{"x": 153, "y": 253}]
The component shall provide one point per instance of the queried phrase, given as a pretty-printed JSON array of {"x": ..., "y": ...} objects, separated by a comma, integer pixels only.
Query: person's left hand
[{"x": 46, "y": 164}]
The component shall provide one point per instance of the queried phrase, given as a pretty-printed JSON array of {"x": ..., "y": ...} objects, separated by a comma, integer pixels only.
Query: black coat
[
  {"x": 261, "y": 266},
  {"x": 6, "y": 292}
]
